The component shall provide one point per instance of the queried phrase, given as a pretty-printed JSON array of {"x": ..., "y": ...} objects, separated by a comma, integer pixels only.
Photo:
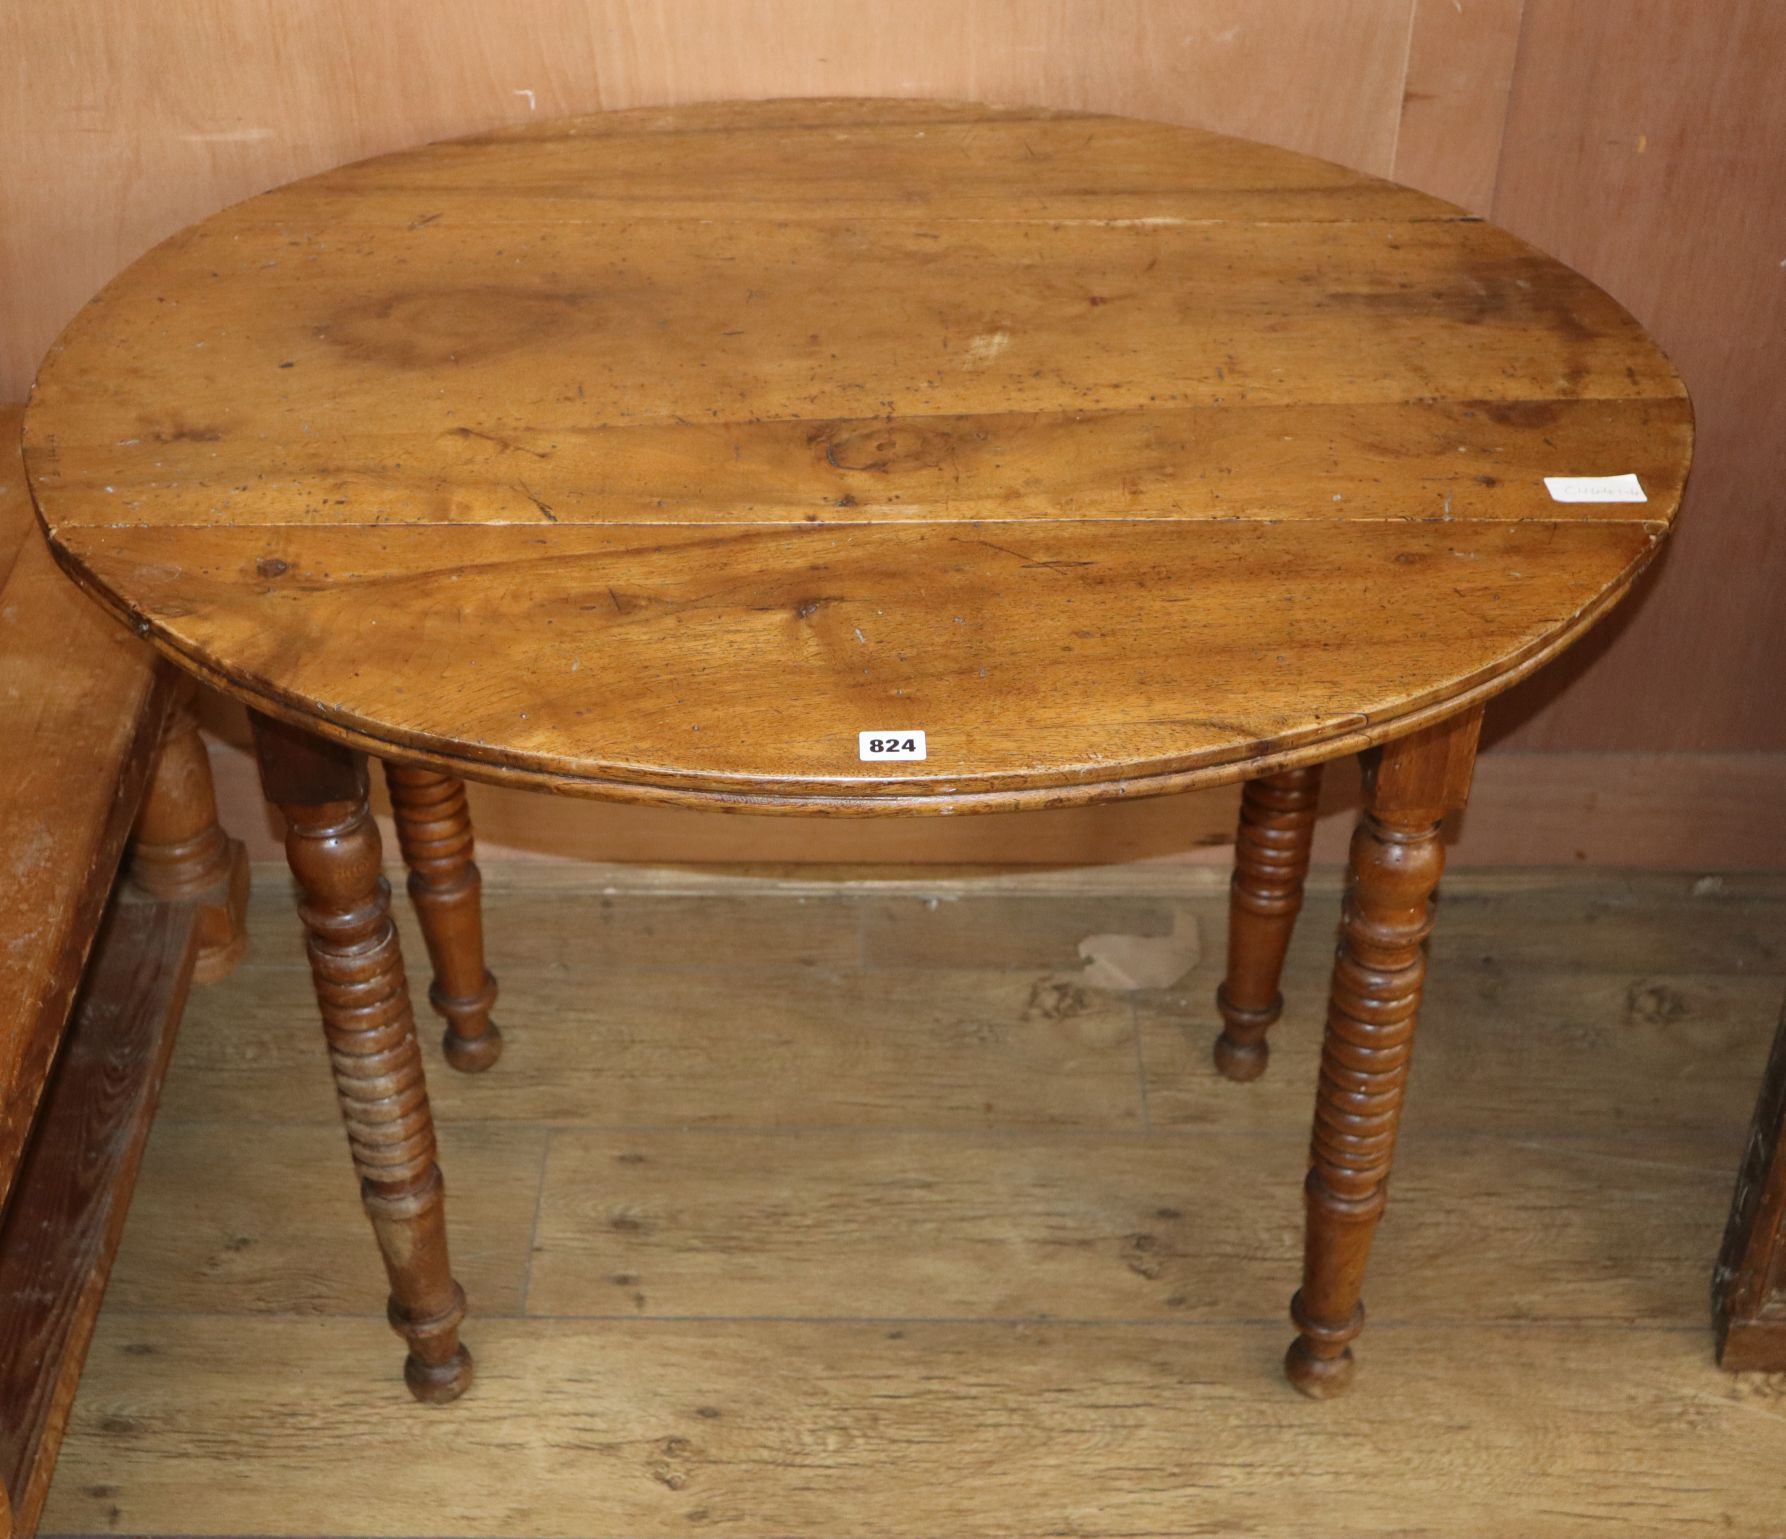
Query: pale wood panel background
[
  {"x": 1646, "y": 145},
  {"x": 1641, "y": 140}
]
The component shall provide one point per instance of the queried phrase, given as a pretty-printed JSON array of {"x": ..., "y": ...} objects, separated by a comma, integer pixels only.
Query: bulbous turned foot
[
  {"x": 1319, "y": 1363},
  {"x": 472, "y": 1055},
  {"x": 1240, "y": 1061},
  {"x": 439, "y": 1383},
  {"x": 438, "y": 1368},
  {"x": 215, "y": 962},
  {"x": 1241, "y": 1051},
  {"x": 1320, "y": 1378}
]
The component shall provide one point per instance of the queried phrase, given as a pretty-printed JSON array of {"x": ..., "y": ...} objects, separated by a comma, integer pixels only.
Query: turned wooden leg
[
  {"x": 1410, "y": 785},
  {"x": 179, "y": 854},
  {"x": 334, "y": 850},
  {"x": 434, "y": 830},
  {"x": 1271, "y": 853}
]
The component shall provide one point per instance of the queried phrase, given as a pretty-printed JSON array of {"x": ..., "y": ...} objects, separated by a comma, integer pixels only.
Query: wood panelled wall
[
  {"x": 1642, "y": 140},
  {"x": 1646, "y": 145}
]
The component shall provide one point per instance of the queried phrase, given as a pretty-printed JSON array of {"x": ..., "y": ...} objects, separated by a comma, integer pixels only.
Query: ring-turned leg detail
[
  {"x": 434, "y": 831},
  {"x": 1396, "y": 861},
  {"x": 333, "y": 845},
  {"x": 1271, "y": 857}
]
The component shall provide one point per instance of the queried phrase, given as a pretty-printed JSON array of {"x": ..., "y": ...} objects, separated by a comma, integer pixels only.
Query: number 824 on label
[{"x": 890, "y": 745}]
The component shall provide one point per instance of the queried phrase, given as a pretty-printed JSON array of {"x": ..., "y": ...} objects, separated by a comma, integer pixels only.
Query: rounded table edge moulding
[{"x": 901, "y": 798}]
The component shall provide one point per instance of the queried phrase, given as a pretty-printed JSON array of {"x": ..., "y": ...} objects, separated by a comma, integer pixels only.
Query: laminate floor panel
[{"x": 835, "y": 1210}]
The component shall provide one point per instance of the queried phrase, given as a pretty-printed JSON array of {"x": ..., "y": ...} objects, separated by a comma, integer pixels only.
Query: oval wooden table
[{"x": 856, "y": 457}]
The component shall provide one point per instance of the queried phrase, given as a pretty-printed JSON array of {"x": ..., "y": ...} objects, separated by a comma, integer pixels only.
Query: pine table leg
[
  {"x": 434, "y": 831},
  {"x": 1396, "y": 860},
  {"x": 335, "y": 854},
  {"x": 179, "y": 853},
  {"x": 1271, "y": 856}
]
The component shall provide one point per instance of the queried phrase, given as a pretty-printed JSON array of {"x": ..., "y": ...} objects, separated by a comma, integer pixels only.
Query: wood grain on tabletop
[{"x": 655, "y": 454}]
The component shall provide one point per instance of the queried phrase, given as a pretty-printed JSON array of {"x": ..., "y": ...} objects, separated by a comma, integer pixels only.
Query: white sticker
[
  {"x": 890, "y": 745},
  {"x": 1594, "y": 489}
]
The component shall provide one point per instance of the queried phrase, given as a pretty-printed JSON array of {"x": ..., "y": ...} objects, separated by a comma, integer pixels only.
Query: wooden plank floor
[{"x": 808, "y": 1210}]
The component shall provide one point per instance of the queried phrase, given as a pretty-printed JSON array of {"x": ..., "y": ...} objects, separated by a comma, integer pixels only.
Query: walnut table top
[{"x": 661, "y": 454}]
